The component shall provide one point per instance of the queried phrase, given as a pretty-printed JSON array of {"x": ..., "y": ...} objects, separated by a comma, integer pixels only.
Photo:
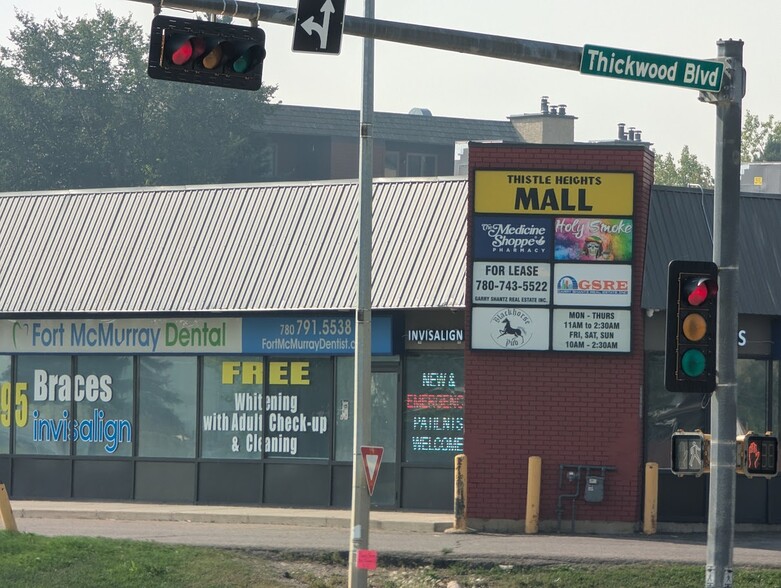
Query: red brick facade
[{"x": 567, "y": 408}]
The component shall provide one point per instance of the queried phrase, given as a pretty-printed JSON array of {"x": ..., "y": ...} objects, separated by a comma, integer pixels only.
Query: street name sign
[
  {"x": 319, "y": 26},
  {"x": 696, "y": 74}
]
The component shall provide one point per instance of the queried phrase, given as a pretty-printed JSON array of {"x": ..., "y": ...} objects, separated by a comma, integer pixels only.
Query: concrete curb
[{"x": 380, "y": 520}]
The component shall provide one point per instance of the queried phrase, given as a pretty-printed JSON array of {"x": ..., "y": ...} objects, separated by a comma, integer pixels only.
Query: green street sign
[{"x": 609, "y": 62}]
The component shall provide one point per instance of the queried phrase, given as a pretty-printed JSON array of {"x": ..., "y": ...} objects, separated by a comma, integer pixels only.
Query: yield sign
[{"x": 372, "y": 456}]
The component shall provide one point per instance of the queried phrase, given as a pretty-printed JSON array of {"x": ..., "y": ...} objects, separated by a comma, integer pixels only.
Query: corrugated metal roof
[
  {"x": 680, "y": 227},
  {"x": 388, "y": 126},
  {"x": 260, "y": 247},
  {"x": 292, "y": 246}
]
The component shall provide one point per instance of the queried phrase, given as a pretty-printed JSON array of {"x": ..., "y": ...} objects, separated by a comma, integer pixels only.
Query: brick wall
[{"x": 567, "y": 408}]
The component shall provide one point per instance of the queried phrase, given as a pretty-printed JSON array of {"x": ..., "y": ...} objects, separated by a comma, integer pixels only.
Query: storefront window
[
  {"x": 434, "y": 407},
  {"x": 104, "y": 411},
  {"x": 667, "y": 412},
  {"x": 776, "y": 398},
  {"x": 49, "y": 385},
  {"x": 752, "y": 396},
  {"x": 232, "y": 409},
  {"x": 9, "y": 404},
  {"x": 298, "y": 408},
  {"x": 167, "y": 406}
]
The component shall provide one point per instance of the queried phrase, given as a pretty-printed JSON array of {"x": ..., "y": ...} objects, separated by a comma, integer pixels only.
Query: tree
[
  {"x": 80, "y": 112},
  {"x": 688, "y": 170},
  {"x": 760, "y": 139}
]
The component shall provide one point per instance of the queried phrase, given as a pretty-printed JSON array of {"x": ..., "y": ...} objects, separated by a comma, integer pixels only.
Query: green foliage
[
  {"x": 686, "y": 170},
  {"x": 60, "y": 562},
  {"x": 32, "y": 560},
  {"x": 760, "y": 140},
  {"x": 80, "y": 112}
]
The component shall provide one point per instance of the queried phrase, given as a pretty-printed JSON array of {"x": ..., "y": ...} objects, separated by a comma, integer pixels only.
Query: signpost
[{"x": 625, "y": 64}]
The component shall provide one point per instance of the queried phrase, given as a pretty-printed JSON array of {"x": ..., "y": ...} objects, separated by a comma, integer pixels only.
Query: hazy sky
[{"x": 459, "y": 85}]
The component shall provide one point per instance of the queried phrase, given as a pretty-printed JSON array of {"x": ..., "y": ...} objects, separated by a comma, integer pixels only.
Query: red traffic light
[
  {"x": 690, "y": 349},
  {"x": 698, "y": 290},
  {"x": 205, "y": 52}
]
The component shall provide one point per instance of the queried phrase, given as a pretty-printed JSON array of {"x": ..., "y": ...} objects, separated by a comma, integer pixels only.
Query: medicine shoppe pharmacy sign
[{"x": 552, "y": 261}]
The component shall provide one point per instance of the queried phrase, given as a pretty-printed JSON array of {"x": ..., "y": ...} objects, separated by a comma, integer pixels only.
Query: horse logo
[{"x": 508, "y": 329}]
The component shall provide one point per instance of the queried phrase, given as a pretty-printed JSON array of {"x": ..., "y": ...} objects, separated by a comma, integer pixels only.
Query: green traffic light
[{"x": 693, "y": 363}]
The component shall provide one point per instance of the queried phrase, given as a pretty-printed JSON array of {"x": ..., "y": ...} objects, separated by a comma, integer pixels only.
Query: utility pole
[
  {"x": 726, "y": 208},
  {"x": 362, "y": 412}
]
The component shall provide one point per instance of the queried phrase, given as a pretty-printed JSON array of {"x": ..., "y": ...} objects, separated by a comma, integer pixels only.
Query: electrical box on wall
[{"x": 595, "y": 489}]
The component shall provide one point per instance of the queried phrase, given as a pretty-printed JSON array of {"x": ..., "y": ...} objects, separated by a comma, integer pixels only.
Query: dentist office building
[{"x": 195, "y": 344}]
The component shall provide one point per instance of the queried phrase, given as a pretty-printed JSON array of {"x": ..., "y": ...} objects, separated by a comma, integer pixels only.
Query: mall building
[{"x": 195, "y": 344}]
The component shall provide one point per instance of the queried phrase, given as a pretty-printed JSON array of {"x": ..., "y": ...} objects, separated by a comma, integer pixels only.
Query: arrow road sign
[
  {"x": 372, "y": 457},
  {"x": 319, "y": 25}
]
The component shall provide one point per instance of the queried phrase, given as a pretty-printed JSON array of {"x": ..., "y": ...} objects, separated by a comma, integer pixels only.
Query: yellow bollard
[
  {"x": 533, "y": 495},
  {"x": 651, "y": 497},
  {"x": 459, "y": 496},
  {"x": 6, "y": 514}
]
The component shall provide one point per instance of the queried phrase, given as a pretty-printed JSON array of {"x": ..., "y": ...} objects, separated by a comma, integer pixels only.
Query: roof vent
[
  {"x": 544, "y": 105},
  {"x": 421, "y": 111}
]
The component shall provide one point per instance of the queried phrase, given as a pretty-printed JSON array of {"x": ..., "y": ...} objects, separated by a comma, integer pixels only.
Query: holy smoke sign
[{"x": 648, "y": 67}]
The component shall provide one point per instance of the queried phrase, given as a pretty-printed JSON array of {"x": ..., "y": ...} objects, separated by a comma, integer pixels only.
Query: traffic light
[
  {"x": 690, "y": 350},
  {"x": 757, "y": 455},
  {"x": 205, "y": 52},
  {"x": 690, "y": 453}
]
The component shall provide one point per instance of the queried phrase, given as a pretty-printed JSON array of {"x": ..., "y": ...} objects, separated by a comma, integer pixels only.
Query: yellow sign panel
[
  {"x": 757, "y": 180},
  {"x": 573, "y": 193}
]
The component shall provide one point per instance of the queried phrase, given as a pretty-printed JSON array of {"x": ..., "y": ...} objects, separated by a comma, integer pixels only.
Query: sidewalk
[
  {"x": 414, "y": 522},
  {"x": 410, "y": 535}
]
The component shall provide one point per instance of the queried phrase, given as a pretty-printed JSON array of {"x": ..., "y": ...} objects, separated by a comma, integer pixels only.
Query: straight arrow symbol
[{"x": 310, "y": 26}]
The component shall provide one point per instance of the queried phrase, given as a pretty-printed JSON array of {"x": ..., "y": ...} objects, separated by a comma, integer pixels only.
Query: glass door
[{"x": 384, "y": 425}]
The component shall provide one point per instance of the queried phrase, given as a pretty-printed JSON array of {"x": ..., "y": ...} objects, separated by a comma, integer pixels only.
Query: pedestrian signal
[
  {"x": 757, "y": 455},
  {"x": 690, "y": 453}
]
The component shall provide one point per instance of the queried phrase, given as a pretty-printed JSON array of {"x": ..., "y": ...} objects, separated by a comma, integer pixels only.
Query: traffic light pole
[
  {"x": 497, "y": 47},
  {"x": 362, "y": 412},
  {"x": 726, "y": 207}
]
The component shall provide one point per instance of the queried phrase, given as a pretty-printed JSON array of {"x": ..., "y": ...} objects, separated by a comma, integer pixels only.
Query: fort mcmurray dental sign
[{"x": 122, "y": 336}]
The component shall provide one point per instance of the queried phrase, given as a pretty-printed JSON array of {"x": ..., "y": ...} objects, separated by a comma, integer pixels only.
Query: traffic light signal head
[
  {"x": 690, "y": 453},
  {"x": 757, "y": 455},
  {"x": 690, "y": 350},
  {"x": 205, "y": 52}
]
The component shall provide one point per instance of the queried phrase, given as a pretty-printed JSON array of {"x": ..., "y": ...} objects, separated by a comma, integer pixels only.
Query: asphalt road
[{"x": 751, "y": 549}]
